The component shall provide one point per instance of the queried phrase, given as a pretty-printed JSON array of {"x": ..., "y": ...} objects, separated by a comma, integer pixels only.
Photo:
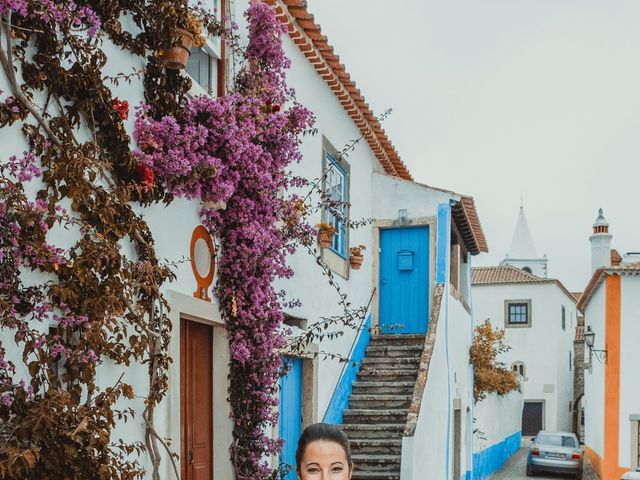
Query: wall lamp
[{"x": 589, "y": 339}]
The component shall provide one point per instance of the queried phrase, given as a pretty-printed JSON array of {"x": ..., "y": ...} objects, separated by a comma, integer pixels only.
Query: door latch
[{"x": 190, "y": 456}]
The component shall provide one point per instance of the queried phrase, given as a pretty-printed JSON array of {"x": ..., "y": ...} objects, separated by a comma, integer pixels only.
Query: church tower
[{"x": 522, "y": 254}]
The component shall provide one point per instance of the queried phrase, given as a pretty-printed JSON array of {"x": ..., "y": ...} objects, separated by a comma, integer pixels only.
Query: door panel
[
  {"x": 404, "y": 280},
  {"x": 196, "y": 395},
  {"x": 532, "y": 418},
  {"x": 290, "y": 426}
]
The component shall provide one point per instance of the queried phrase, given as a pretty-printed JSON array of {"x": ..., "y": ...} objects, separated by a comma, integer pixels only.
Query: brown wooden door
[{"x": 196, "y": 400}]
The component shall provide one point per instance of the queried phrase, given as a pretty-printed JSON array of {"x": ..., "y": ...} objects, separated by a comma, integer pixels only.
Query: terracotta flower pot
[
  {"x": 356, "y": 261},
  {"x": 176, "y": 58},
  {"x": 325, "y": 238}
]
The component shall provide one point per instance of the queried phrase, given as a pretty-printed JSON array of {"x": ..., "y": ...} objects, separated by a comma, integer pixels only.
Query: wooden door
[
  {"x": 196, "y": 400},
  {"x": 404, "y": 280},
  {"x": 532, "y": 418},
  {"x": 290, "y": 425}
]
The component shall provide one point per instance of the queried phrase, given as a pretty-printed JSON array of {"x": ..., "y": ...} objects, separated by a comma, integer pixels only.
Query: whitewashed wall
[
  {"x": 507, "y": 408},
  {"x": 594, "y": 378},
  {"x": 544, "y": 348}
]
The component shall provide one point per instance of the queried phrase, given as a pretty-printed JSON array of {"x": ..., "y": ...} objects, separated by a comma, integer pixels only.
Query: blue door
[
  {"x": 291, "y": 414},
  {"x": 404, "y": 280}
]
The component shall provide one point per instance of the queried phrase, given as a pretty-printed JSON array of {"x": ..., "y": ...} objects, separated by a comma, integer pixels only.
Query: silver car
[{"x": 556, "y": 452}]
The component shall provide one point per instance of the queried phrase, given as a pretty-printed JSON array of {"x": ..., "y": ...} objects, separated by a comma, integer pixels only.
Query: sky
[{"x": 509, "y": 99}]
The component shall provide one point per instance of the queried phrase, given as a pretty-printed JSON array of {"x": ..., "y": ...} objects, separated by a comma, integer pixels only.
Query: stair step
[
  {"x": 364, "y": 475},
  {"x": 391, "y": 362},
  {"x": 385, "y": 402},
  {"x": 397, "y": 339},
  {"x": 383, "y": 388},
  {"x": 370, "y": 431},
  {"x": 378, "y": 446},
  {"x": 393, "y": 351},
  {"x": 370, "y": 415},
  {"x": 376, "y": 462},
  {"x": 388, "y": 375}
]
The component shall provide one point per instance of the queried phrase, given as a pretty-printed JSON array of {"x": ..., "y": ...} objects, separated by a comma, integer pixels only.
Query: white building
[
  {"x": 419, "y": 250},
  {"x": 539, "y": 316},
  {"x": 611, "y": 305}
]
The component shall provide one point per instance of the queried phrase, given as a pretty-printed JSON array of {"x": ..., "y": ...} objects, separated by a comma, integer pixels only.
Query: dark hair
[{"x": 326, "y": 432}]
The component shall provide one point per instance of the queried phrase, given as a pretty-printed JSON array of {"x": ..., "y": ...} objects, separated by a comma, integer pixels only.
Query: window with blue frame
[{"x": 336, "y": 189}]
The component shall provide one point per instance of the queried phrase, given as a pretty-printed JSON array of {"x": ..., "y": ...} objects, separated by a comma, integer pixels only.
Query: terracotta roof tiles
[
  {"x": 308, "y": 36},
  {"x": 508, "y": 275}
]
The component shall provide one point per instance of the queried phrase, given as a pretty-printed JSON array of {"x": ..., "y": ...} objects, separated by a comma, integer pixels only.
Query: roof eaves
[{"x": 307, "y": 36}]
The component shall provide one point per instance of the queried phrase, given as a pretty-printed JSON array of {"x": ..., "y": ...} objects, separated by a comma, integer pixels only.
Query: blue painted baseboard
[
  {"x": 340, "y": 399},
  {"x": 492, "y": 459}
]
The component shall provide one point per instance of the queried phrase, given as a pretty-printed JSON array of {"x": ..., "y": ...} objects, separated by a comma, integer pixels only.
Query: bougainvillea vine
[{"x": 232, "y": 153}]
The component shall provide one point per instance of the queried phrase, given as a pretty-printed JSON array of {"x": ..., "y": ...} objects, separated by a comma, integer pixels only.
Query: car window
[{"x": 557, "y": 441}]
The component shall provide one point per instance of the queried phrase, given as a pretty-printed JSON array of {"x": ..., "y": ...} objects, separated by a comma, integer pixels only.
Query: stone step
[
  {"x": 385, "y": 402},
  {"x": 364, "y": 475},
  {"x": 391, "y": 362},
  {"x": 388, "y": 375},
  {"x": 383, "y": 388},
  {"x": 393, "y": 351},
  {"x": 371, "y": 431},
  {"x": 397, "y": 339},
  {"x": 377, "y": 463},
  {"x": 371, "y": 415},
  {"x": 378, "y": 446}
]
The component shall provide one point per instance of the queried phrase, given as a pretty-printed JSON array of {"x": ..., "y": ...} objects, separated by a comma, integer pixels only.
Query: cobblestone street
[{"x": 515, "y": 470}]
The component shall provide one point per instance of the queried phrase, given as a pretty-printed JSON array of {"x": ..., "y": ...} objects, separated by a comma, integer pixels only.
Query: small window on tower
[{"x": 527, "y": 269}]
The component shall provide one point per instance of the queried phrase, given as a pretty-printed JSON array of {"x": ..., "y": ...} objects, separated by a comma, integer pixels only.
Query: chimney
[{"x": 600, "y": 243}]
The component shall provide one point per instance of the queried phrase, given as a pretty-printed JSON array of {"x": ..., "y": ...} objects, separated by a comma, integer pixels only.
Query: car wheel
[
  {"x": 530, "y": 472},
  {"x": 578, "y": 475}
]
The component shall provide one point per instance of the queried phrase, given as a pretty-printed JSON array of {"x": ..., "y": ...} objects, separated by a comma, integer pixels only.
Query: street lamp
[{"x": 589, "y": 339}]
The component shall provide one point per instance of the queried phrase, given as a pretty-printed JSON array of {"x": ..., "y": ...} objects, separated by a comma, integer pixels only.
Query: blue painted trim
[
  {"x": 467, "y": 475},
  {"x": 340, "y": 398},
  {"x": 490, "y": 460},
  {"x": 442, "y": 247}
]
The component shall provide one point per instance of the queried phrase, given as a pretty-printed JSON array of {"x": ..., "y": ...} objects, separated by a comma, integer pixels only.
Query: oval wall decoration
[{"x": 202, "y": 255}]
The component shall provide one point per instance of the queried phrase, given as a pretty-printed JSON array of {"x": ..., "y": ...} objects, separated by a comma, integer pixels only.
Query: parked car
[{"x": 555, "y": 452}]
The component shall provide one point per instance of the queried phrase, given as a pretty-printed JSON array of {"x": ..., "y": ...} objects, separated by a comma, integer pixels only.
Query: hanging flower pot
[
  {"x": 356, "y": 258},
  {"x": 326, "y": 232},
  {"x": 176, "y": 58}
]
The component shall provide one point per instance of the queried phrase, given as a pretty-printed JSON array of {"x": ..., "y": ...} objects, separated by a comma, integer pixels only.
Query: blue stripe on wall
[
  {"x": 442, "y": 249},
  {"x": 340, "y": 399},
  {"x": 492, "y": 459}
]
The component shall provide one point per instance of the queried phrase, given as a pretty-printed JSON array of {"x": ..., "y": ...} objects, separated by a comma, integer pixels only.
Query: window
[
  {"x": 517, "y": 313},
  {"x": 557, "y": 441},
  {"x": 518, "y": 368},
  {"x": 336, "y": 190},
  {"x": 564, "y": 318},
  {"x": 201, "y": 68},
  {"x": 570, "y": 361},
  {"x": 527, "y": 269}
]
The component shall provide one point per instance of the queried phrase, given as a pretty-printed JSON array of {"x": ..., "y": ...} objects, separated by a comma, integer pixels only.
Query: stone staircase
[{"x": 379, "y": 404}]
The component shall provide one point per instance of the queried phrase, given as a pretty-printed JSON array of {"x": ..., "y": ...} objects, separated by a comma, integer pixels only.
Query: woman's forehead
[{"x": 324, "y": 450}]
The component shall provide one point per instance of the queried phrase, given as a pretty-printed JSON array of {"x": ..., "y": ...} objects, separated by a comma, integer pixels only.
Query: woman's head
[{"x": 323, "y": 453}]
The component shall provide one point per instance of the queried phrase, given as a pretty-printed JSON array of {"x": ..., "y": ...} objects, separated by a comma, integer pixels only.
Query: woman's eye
[
  {"x": 313, "y": 470},
  {"x": 337, "y": 469}
]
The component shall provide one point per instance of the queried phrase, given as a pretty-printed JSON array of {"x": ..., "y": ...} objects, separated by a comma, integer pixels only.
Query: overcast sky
[{"x": 502, "y": 98}]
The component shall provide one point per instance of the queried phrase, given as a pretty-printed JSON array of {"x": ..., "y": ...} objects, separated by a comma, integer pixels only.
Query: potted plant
[
  {"x": 355, "y": 257},
  {"x": 176, "y": 57},
  {"x": 326, "y": 232}
]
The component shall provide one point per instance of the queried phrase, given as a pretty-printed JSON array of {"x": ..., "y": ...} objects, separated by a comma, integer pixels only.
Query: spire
[{"x": 522, "y": 244}]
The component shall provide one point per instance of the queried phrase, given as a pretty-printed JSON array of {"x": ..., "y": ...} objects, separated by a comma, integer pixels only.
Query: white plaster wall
[
  {"x": 426, "y": 451},
  {"x": 544, "y": 348},
  {"x": 507, "y": 408},
  {"x": 594, "y": 378},
  {"x": 629, "y": 362}
]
